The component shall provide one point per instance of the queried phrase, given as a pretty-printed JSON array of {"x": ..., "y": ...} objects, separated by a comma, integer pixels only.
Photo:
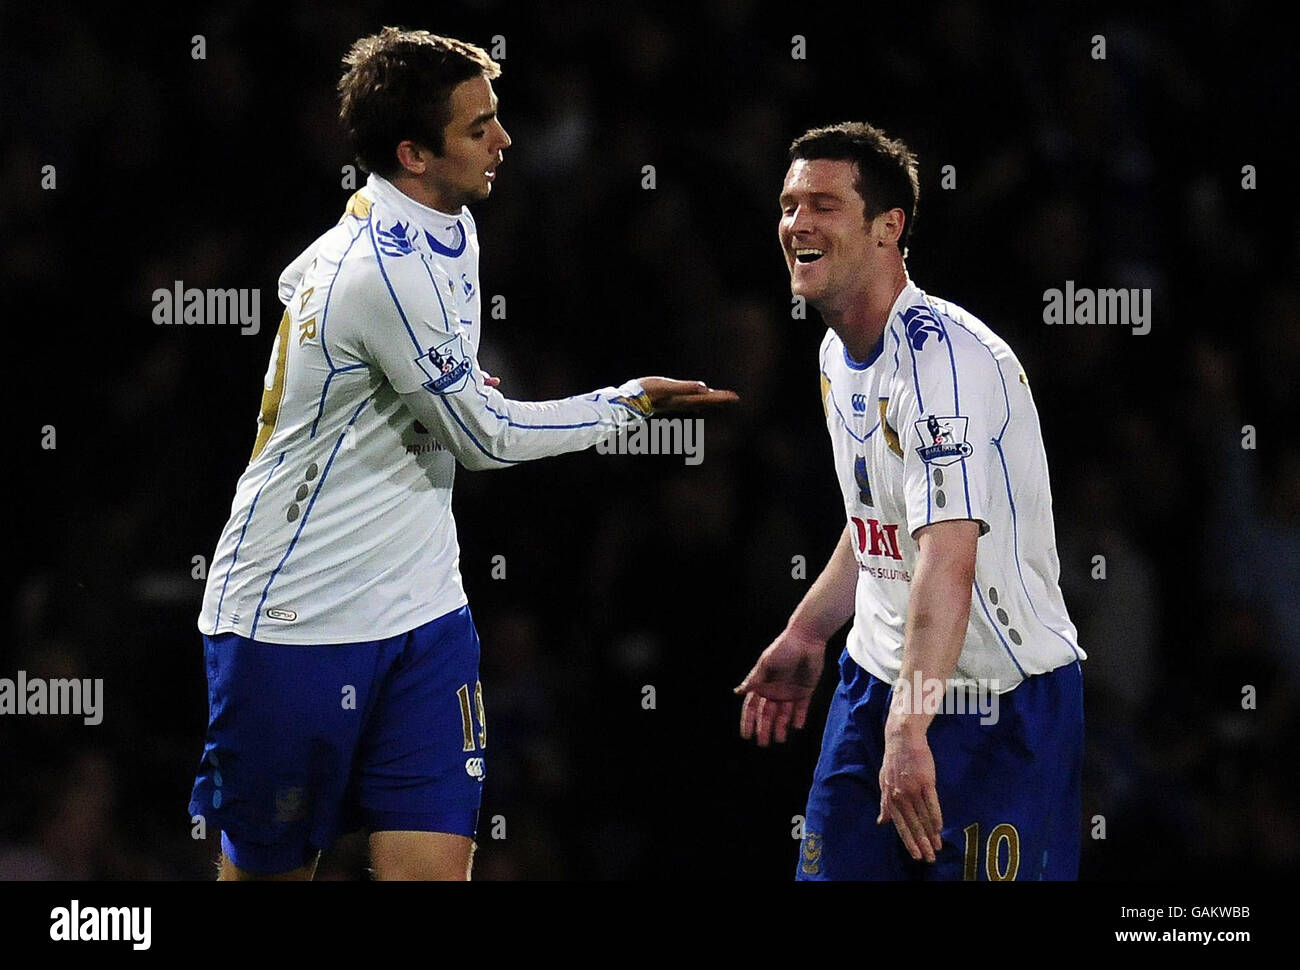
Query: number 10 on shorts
[{"x": 467, "y": 716}]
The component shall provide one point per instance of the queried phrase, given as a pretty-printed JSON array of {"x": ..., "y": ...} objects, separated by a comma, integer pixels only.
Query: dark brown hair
[
  {"x": 398, "y": 87},
  {"x": 887, "y": 177}
]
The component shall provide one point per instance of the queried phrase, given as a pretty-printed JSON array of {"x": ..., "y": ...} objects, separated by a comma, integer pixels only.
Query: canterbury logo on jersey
[{"x": 920, "y": 324}]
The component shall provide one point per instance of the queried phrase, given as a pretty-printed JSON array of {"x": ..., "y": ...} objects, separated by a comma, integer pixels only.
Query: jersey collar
[{"x": 379, "y": 188}]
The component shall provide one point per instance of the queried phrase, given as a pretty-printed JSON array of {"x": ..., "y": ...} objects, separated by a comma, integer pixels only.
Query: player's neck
[
  {"x": 424, "y": 193},
  {"x": 860, "y": 319}
]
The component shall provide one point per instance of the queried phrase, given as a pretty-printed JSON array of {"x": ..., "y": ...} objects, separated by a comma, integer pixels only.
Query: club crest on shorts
[
  {"x": 810, "y": 854},
  {"x": 447, "y": 366},
  {"x": 943, "y": 439}
]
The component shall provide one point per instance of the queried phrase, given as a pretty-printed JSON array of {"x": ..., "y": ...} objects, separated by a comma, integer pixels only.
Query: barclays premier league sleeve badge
[
  {"x": 447, "y": 367},
  {"x": 943, "y": 440}
]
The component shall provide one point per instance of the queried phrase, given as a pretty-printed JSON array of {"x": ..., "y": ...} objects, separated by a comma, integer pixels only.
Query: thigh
[
  {"x": 427, "y": 856},
  {"x": 284, "y": 724},
  {"x": 1009, "y": 790},
  {"x": 841, "y": 838},
  {"x": 421, "y": 762}
]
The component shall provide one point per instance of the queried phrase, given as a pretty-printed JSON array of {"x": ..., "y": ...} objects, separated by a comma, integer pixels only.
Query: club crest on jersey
[
  {"x": 860, "y": 476},
  {"x": 457, "y": 246},
  {"x": 920, "y": 323},
  {"x": 447, "y": 366},
  {"x": 943, "y": 439},
  {"x": 395, "y": 240}
]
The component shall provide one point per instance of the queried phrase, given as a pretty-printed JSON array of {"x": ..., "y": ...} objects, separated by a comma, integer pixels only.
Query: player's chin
[{"x": 801, "y": 286}]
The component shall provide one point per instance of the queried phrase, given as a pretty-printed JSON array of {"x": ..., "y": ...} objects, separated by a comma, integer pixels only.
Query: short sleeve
[{"x": 948, "y": 409}]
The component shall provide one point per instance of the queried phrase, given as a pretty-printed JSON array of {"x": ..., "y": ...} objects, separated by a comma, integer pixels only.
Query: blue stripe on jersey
[
  {"x": 920, "y": 407},
  {"x": 830, "y": 392},
  {"x": 242, "y": 532},
  {"x": 537, "y": 427},
  {"x": 325, "y": 314},
  {"x": 465, "y": 428},
  {"x": 1011, "y": 502},
  {"x": 898, "y": 345},
  {"x": 266, "y": 591},
  {"x": 379, "y": 259},
  {"x": 916, "y": 377},
  {"x": 956, "y": 408},
  {"x": 325, "y": 318},
  {"x": 437, "y": 292},
  {"x": 324, "y": 390},
  {"x": 1015, "y": 545},
  {"x": 993, "y": 623}
]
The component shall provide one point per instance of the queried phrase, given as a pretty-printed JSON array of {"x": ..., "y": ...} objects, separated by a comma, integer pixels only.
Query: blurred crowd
[{"x": 1171, "y": 454}]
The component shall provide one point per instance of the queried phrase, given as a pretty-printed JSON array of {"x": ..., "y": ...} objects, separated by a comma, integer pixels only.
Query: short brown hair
[
  {"x": 887, "y": 176},
  {"x": 398, "y": 87}
]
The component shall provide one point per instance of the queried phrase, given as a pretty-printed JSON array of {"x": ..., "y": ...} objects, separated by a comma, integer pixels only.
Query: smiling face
[
  {"x": 473, "y": 146},
  {"x": 830, "y": 248}
]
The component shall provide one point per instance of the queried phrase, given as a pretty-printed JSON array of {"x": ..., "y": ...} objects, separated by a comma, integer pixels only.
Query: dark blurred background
[{"x": 631, "y": 571}]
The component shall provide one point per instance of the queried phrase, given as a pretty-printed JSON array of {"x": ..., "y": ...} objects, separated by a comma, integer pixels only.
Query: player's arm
[
  {"x": 938, "y": 610},
  {"x": 779, "y": 687},
  {"x": 948, "y": 410},
  {"x": 413, "y": 335}
]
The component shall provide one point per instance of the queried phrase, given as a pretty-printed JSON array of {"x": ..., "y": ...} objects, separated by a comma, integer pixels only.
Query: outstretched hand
[{"x": 667, "y": 394}]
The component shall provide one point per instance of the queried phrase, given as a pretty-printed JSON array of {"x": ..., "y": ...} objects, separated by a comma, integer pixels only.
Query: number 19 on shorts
[{"x": 467, "y": 716}]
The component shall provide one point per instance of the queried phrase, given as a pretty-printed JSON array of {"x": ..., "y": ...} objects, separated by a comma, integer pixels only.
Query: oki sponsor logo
[{"x": 876, "y": 539}]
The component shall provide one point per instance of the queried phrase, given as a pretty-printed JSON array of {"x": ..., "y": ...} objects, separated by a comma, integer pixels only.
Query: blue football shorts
[
  {"x": 306, "y": 743},
  {"x": 1009, "y": 791}
]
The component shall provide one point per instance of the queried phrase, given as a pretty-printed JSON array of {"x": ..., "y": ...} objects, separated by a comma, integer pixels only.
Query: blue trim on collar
[{"x": 871, "y": 357}]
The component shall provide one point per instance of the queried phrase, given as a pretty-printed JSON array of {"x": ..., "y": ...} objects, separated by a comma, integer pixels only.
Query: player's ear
[
  {"x": 888, "y": 226},
  {"x": 412, "y": 157}
]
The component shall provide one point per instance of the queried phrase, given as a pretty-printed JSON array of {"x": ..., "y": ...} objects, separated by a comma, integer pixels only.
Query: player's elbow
[{"x": 472, "y": 457}]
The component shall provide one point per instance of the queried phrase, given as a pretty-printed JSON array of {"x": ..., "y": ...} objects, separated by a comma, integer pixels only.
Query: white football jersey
[
  {"x": 938, "y": 423},
  {"x": 341, "y": 527}
]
